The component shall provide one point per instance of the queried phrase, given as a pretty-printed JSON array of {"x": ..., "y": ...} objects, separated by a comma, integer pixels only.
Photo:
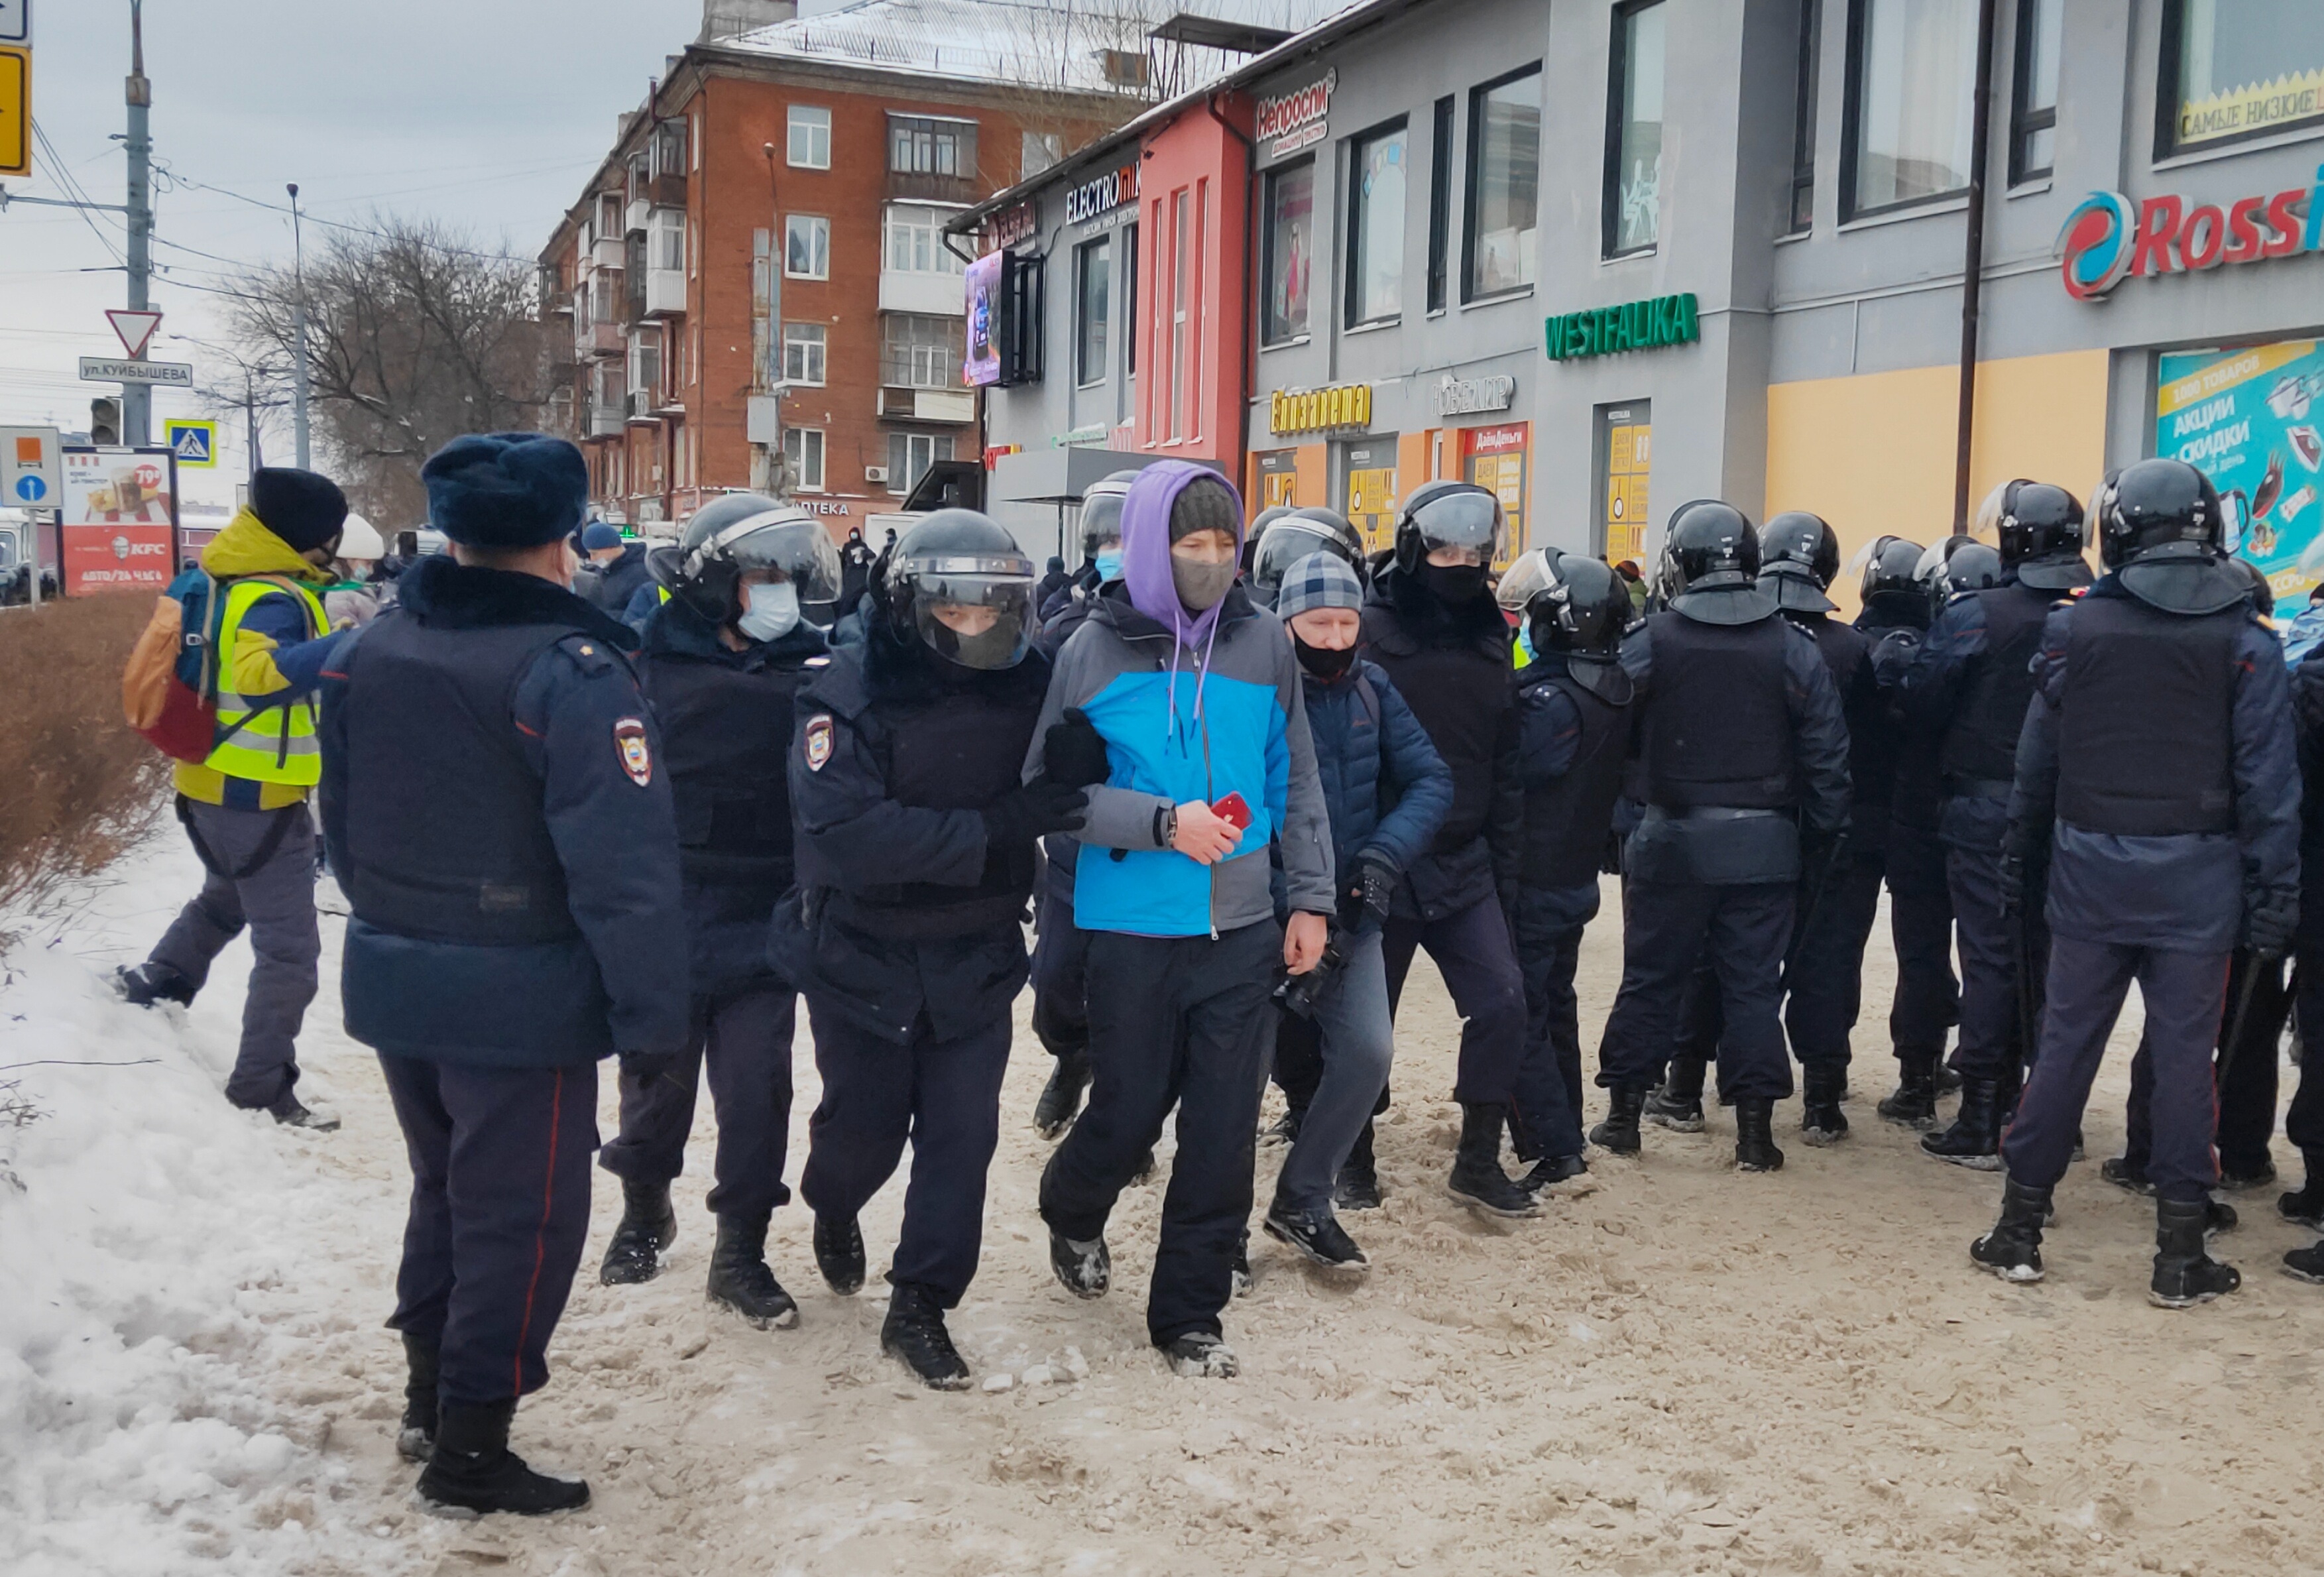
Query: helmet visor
[
  {"x": 1469, "y": 521},
  {"x": 798, "y": 551},
  {"x": 1101, "y": 523},
  {"x": 1286, "y": 542},
  {"x": 977, "y": 611},
  {"x": 1531, "y": 572}
]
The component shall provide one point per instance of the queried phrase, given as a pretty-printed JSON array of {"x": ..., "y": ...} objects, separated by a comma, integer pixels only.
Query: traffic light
[{"x": 105, "y": 421}]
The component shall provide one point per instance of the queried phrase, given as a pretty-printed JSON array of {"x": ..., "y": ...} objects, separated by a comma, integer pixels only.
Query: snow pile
[{"x": 142, "y": 1233}]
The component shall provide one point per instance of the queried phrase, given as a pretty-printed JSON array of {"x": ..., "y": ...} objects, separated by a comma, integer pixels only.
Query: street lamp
[{"x": 298, "y": 330}]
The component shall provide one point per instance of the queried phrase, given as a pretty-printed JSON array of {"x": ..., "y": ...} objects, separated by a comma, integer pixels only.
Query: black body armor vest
[
  {"x": 1717, "y": 731},
  {"x": 1981, "y": 744},
  {"x": 2146, "y": 745}
]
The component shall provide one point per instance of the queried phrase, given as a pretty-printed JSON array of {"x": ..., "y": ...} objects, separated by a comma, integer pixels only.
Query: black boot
[
  {"x": 1974, "y": 1140},
  {"x": 1755, "y": 1136},
  {"x": 1948, "y": 1080},
  {"x": 2306, "y": 1206},
  {"x": 1677, "y": 1102},
  {"x": 1061, "y": 1097},
  {"x": 839, "y": 1254},
  {"x": 2184, "y": 1274},
  {"x": 1914, "y": 1102},
  {"x": 1284, "y": 1129},
  {"x": 648, "y": 1226},
  {"x": 1821, "y": 1121},
  {"x": 1316, "y": 1234},
  {"x": 2013, "y": 1249},
  {"x": 474, "y": 1473},
  {"x": 1619, "y": 1131},
  {"x": 144, "y": 984},
  {"x": 2128, "y": 1173},
  {"x": 739, "y": 1279},
  {"x": 290, "y": 1111},
  {"x": 915, "y": 1332},
  {"x": 1550, "y": 1171},
  {"x": 1358, "y": 1185},
  {"x": 1477, "y": 1179},
  {"x": 415, "y": 1441},
  {"x": 1084, "y": 1267}
]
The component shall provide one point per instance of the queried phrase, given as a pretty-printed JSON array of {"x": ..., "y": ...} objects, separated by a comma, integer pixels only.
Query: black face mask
[
  {"x": 1323, "y": 662},
  {"x": 1453, "y": 583}
]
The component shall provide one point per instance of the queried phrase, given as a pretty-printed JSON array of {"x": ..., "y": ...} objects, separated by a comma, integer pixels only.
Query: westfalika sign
[
  {"x": 2107, "y": 237},
  {"x": 1648, "y": 324}
]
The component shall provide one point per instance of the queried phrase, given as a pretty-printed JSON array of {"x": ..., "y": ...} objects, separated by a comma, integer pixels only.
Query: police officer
[
  {"x": 2303, "y": 1122},
  {"x": 244, "y": 808},
  {"x": 1431, "y": 623},
  {"x": 1287, "y": 540},
  {"x": 916, "y": 857},
  {"x": 1744, "y": 774},
  {"x": 723, "y": 660},
  {"x": 2157, "y": 780},
  {"x": 1896, "y": 614},
  {"x": 1574, "y": 715},
  {"x": 1969, "y": 683},
  {"x": 495, "y": 809},
  {"x": 1101, "y": 539}
]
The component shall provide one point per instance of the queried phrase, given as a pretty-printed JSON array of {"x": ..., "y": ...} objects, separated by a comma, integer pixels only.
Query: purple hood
[{"x": 1145, "y": 548}]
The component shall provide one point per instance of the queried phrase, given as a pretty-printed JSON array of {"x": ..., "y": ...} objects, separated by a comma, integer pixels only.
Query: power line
[
  {"x": 370, "y": 230},
  {"x": 72, "y": 190}
]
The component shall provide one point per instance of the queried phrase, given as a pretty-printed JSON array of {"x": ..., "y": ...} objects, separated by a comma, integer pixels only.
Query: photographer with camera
[{"x": 1387, "y": 791}]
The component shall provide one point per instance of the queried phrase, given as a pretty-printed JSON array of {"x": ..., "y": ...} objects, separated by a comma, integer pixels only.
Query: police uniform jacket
[
  {"x": 495, "y": 808},
  {"x": 1871, "y": 731},
  {"x": 1966, "y": 689},
  {"x": 1572, "y": 746}
]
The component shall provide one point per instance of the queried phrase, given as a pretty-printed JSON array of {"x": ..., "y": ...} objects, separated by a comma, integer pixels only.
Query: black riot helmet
[
  {"x": 1799, "y": 555},
  {"x": 1291, "y": 537},
  {"x": 2164, "y": 536},
  {"x": 1889, "y": 590},
  {"x": 1582, "y": 612},
  {"x": 1959, "y": 564},
  {"x": 2039, "y": 533},
  {"x": 1444, "y": 513},
  {"x": 1710, "y": 565},
  {"x": 747, "y": 531},
  {"x": 1101, "y": 513},
  {"x": 963, "y": 584},
  {"x": 1530, "y": 573}
]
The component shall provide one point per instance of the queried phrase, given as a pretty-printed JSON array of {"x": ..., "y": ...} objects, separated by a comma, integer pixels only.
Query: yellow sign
[
  {"x": 2252, "y": 108},
  {"x": 1342, "y": 405},
  {"x": 2180, "y": 393},
  {"x": 15, "y": 111},
  {"x": 1629, "y": 459}
]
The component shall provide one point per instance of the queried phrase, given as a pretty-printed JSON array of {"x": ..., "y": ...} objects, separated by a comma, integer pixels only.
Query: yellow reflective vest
[{"x": 258, "y": 741}]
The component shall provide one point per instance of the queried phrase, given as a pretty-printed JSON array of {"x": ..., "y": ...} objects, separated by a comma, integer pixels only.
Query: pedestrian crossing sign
[{"x": 195, "y": 442}]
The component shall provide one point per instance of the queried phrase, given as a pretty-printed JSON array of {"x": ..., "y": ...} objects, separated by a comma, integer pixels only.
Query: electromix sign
[
  {"x": 2253, "y": 420},
  {"x": 1100, "y": 196},
  {"x": 2107, "y": 237}
]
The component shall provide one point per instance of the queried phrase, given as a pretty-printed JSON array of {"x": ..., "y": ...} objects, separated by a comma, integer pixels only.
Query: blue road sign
[{"x": 31, "y": 488}]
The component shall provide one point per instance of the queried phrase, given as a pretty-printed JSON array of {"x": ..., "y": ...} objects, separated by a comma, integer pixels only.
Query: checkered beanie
[{"x": 1320, "y": 580}]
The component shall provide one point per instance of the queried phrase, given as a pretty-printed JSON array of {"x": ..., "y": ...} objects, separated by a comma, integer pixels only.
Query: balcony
[
  {"x": 909, "y": 187},
  {"x": 664, "y": 293},
  {"x": 948, "y": 405},
  {"x": 633, "y": 217},
  {"x": 598, "y": 339},
  {"x": 607, "y": 252},
  {"x": 605, "y": 422},
  {"x": 931, "y": 294}
]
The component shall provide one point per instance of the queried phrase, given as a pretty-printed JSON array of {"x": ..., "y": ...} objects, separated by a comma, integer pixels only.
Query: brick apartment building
[{"x": 756, "y": 277}]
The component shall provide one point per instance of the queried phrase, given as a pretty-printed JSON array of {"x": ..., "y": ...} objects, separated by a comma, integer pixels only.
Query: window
[
  {"x": 1911, "y": 68},
  {"x": 666, "y": 239},
  {"x": 811, "y": 138},
  {"x": 803, "y": 353},
  {"x": 645, "y": 360},
  {"x": 915, "y": 243},
  {"x": 920, "y": 352},
  {"x": 2234, "y": 69},
  {"x": 1037, "y": 151},
  {"x": 1804, "y": 118},
  {"x": 2034, "y": 99},
  {"x": 1504, "y": 182},
  {"x": 1290, "y": 244},
  {"x": 1440, "y": 204},
  {"x": 1182, "y": 310},
  {"x": 641, "y": 174},
  {"x": 923, "y": 145},
  {"x": 1633, "y": 206},
  {"x": 1375, "y": 170},
  {"x": 803, "y": 458},
  {"x": 806, "y": 247},
  {"x": 669, "y": 148},
  {"x": 1092, "y": 307},
  {"x": 910, "y": 456},
  {"x": 1130, "y": 300}
]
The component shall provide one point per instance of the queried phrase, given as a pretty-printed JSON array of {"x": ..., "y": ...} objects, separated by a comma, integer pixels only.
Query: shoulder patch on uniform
[
  {"x": 818, "y": 741},
  {"x": 637, "y": 755}
]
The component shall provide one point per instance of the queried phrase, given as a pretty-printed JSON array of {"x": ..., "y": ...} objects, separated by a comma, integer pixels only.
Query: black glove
[
  {"x": 2013, "y": 884},
  {"x": 1036, "y": 811},
  {"x": 1610, "y": 861},
  {"x": 1073, "y": 753},
  {"x": 2271, "y": 920},
  {"x": 1369, "y": 890}
]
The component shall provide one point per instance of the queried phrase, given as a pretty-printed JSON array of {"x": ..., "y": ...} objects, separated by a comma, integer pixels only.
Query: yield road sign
[
  {"x": 31, "y": 474},
  {"x": 15, "y": 110},
  {"x": 195, "y": 443},
  {"x": 174, "y": 374},
  {"x": 135, "y": 328}
]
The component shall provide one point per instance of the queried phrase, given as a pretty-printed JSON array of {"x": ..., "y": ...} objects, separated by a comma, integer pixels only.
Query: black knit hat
[
  {"x": 1204, "y": 504},
  {"x": 507, "y": 489},
  {"x": 305, "y": 510}
]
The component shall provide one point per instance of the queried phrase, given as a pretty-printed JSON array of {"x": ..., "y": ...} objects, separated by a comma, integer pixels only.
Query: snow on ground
[{"x": 1685, "y": 1371}]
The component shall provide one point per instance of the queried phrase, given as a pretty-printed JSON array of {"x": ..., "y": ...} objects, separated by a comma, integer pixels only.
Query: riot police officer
[
  {"x": 494, "y": 808},
  {"x": 1743, "y": 769},
  {"x": 916, "y": 856},
  {"x": 1100, "y": 541},
  {"x": 722, "y": 661},
  {"x": 1287, "y": 540},
  {"x": 1969, "y": 683},
  {"x": 2157, "y": 780},
  {"x": 1574, "y": 715}
]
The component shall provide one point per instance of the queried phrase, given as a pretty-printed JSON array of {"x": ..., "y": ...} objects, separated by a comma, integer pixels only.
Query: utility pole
[
  {"x": 299, "y": 331},
  {"x": 137, "y": 399}
]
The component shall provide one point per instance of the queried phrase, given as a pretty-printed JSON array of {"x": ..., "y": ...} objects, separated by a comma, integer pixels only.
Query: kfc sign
[{"x": 2107, "y": 237}]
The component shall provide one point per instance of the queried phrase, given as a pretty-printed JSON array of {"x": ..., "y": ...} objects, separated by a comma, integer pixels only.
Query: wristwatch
[{"x": 1165, "y": 825}]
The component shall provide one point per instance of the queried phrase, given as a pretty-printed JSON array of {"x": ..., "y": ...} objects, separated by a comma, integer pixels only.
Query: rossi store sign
[{"x": 2108, "y": 238}]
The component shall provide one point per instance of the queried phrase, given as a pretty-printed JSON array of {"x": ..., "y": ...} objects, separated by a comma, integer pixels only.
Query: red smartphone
[{"x": 1236, "y": 810}]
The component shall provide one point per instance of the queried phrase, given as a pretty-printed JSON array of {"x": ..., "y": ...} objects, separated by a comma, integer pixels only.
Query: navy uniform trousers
[
  {"x": 1547, "y": 1111},
  {"x": 2183, "y": 994},
  {"x": 744, "y": 1039},
  {"x": 505, "y": 1153},
  {"x": 944, "y": 1096},
  {"x": 1927, "y": 1003},
  {"x": 2303, "y": 1121},
  {"x": 1742, "y": 931},
  {"x": 1992, "y": 1044},
  {"x": 1060, "y": 970},
  {"x": 2246, "y": 1081}
]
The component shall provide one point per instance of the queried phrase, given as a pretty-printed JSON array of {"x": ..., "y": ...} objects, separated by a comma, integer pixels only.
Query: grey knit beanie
[{"x": 1320, "y": 580}]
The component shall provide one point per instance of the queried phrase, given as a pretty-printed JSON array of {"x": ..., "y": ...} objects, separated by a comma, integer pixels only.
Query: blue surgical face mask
[
  {"x": 1109, "y": 566},
  {"x": 773, "y": 611}
]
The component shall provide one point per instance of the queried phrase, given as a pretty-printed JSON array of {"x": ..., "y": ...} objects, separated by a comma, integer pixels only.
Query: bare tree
[{"x": 415, "y": 336}]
